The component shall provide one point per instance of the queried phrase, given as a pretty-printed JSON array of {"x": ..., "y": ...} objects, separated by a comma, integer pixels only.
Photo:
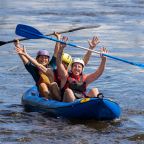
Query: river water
[{"x": 121, "y": 30}]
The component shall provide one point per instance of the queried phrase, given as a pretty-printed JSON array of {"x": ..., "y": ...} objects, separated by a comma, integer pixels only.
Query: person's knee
[
  {"x": 54, "y": 85},
  {"x": 67, "y": 90},
  {"x": 95, "y": 90},
  {"x": 69, "y": 95},
  {"x": 55, "y": 90},
  {"x": 43, "y": 87}
]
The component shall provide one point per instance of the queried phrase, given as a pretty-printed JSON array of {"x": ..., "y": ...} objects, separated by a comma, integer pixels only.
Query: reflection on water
[{"x": 121, "y": 31}]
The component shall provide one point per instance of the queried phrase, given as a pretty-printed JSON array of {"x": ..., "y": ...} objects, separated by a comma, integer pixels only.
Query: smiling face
[
  {"x": 42, "y": 59},
  {"x": 77, "y": 68}
]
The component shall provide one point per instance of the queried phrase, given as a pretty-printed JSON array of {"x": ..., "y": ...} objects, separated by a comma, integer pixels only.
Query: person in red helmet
[{"x": 74, "y": 83}]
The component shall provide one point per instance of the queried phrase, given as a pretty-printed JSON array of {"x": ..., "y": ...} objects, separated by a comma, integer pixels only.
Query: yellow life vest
[{"x": 44, "y": 78}]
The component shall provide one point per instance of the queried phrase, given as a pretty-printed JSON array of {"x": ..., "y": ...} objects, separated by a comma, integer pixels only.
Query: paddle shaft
[
  {"x": 61, "y": 32},
  {"x": 97, "y": 52}
]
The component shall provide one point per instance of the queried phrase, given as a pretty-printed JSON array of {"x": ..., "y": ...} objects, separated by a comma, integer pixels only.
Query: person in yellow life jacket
[
  {"x": 44, "y": 83},
  {"x": 74, "y": 84}
]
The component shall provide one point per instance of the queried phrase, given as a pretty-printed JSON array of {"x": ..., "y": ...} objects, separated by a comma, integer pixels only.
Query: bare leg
[
  {"x": 93, "y": 92},
  {"x": 55, "y": 91},
  {"x": 68, "y": 96},
  {"x": 43, "y": 88}
]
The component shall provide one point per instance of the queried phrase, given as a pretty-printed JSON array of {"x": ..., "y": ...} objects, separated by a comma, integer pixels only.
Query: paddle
[
  {"x": 66, "y": 31},
  {"x": 32, "y": 33}
]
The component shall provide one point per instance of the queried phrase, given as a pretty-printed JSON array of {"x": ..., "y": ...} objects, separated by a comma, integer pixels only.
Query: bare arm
[
  {"x": 32, "y": 60},
  {"x": 57, "y": 45},
  {"x": 23, "y": 58},
  {"x": 92, "y": 45},
  {"x": 60, "y": 67},
  {"x": 93, "y": 76}
]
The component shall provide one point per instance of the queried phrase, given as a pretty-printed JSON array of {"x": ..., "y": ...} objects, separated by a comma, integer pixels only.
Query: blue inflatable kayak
[{"x": 87, "y": 108}]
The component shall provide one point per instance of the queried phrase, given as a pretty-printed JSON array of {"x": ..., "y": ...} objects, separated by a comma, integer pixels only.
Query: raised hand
[
  {"x": 57, "y": 35},
  {"x": 16, "y": 43},
  {"x": 20, "y": 50},
  {"x": 103, "y": 51},
  {"x": 93, "y": 42},
  {"x": 64, "y": 39}
]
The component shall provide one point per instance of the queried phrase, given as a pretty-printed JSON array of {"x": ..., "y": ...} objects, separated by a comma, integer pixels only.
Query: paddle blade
[{"x": 28, "y": 32}]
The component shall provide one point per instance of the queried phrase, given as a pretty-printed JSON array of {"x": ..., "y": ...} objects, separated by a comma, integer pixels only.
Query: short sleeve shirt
[{"x": 33, "y": 70}]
